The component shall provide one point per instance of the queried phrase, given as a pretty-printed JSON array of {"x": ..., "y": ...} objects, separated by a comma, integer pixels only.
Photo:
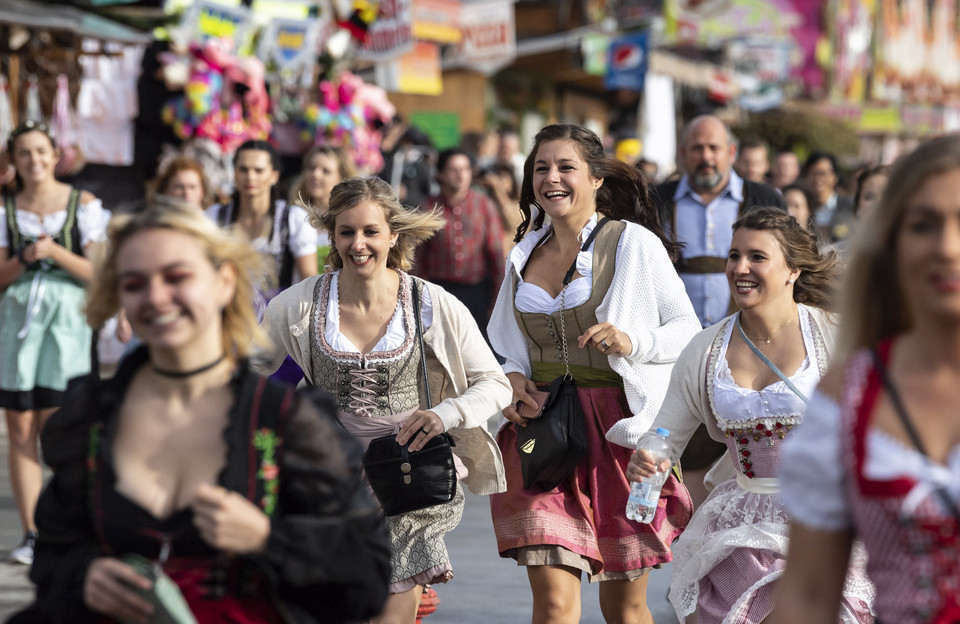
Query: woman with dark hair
[
  {"x": 877, "y": 459},
  {"x": 625, "y": 317},
  {"x": 275, "y": 227},
  {"x": 747, "y": 379},
  {"x": 800, "y": 202},
  {"x": 354, "y": 332},
  {"x": 870, "y": 185},
  {"x": 48, "y": 231},
  {"x": 280, "y": 230}
]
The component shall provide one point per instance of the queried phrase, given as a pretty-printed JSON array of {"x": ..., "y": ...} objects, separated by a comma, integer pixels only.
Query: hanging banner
[
  {"x": 418, "y": 71},
  {"x": 761, "y": 67},
  {"x": 209, "y": 20},
  {"x": 627, "y": 62},
  {"x": 437, "y": 20},
  {"x": 489, "y": 35},
  {"x": 289, "y": 44},
  {"x": 391, "y": 34}
]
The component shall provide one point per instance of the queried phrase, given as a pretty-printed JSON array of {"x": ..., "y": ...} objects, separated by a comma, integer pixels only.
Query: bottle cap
[{"x": 664, "y": 432}]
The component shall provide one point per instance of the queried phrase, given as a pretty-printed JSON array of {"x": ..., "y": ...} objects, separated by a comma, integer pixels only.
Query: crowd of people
[{"x": 271, "y": 337}]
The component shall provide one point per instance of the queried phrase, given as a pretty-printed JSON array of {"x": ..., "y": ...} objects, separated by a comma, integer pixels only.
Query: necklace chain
[{"x": 775, "y": 332}]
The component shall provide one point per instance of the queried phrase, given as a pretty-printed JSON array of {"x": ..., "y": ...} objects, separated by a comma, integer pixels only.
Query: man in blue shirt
[{"x": 700, "y": 209}]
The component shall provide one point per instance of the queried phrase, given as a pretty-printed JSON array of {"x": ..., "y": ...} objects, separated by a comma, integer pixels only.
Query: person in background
[
  {"x": 877, "y": 459},
  {"x": 408, "y": 163},
  {"x": 249, "y": 496},
  {"x": 48, "y": 232},
  {"x": 833, "y": 213},
  {"x": 626, "y": 318},
  {"x": 785, "y": 170},
  {"x": 727, "y": 560},
  {"x": 509, "y": 152},
  {"x": 466, "y": 257},
  {"x": 870, "y": 185},
  {"x": 183, "y": 178},
  {"x": 699, "y": 211},
  {"x": 753, "y": 160},
  {"x": 800, "y": 201},
  {"x": 501, "y": 186},
  {"x": 362, "y": 347},
  {"x": 324, "y": 167},
  {"x": 482, "y": 148},
  {"x": 650, "y": 169}
]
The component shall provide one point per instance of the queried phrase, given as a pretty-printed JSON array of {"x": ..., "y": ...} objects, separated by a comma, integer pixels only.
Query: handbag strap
[
  {"x": 770, "y": 364},
  {"x": 901, "y": 412},
  {"x": 423, "y": 352}
]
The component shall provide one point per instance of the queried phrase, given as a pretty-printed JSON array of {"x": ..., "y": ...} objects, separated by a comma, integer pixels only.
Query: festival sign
[
  {"x": 418, "y": 71},
  {"x": 391, "y": 34},
  {"x": 627, "y": 62},
  {"x": 437, "y": 20},
  {"x": 289, "y": 44},
  {"x": 489, "y": 35},
  {"x": 210, "y": 20}
]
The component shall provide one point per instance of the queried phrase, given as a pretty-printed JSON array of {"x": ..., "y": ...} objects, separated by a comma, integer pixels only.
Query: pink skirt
[{"x": 585, "y": 513}]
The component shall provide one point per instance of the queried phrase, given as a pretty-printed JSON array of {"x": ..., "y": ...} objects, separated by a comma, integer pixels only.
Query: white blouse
[
  {"x": 813, "y": 470},
  {"x": 776, "y": 400},
  {"x": 532, "y": 298},
  {"x": 303, "y": 238},
  {"x": 92, "y": 219},
  {"x": 395, "y": 332}
]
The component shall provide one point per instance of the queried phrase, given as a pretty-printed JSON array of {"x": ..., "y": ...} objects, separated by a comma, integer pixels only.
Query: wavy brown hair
[
  {"x": 816, "y": 285},
  {"x": 175, "y": 166},
  {"x": 412, "y": 227},
  {"x": 624, "y": 194},
  {"x": 240, "y": 328}
]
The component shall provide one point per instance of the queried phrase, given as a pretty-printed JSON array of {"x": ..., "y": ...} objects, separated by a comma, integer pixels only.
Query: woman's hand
[
  {"x": 607, "y": 339},
  {"x": 110, "y": 587},
  {"x": 229, "y": 522},
  {"x": 422, "y": 426},
  {"x": 45, "y": 247},
  {"x": 522, "y": 386},
  {"x": 643, "y": 465}
]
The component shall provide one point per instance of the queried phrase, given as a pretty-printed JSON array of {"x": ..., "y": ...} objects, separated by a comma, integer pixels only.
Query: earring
[{"x": 791, "y": 280}]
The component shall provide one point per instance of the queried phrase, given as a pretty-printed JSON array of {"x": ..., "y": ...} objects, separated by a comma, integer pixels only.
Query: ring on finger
[{"x": 603, "y": 343}]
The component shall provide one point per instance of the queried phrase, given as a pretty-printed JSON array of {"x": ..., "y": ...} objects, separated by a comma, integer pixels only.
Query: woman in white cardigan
[
  {"x": 626, "y": 317},
  {"x": 732, "y": 377},
  {"x": 353, "y": 332}
]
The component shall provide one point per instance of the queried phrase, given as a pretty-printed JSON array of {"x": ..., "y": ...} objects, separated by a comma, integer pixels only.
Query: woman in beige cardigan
[{"x": 353, "y": 332}]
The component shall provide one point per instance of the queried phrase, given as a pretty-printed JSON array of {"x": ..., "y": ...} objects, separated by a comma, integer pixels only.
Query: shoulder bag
[
  {"x": 405, "y": 481},
  {"x": 552, "y": 445}
]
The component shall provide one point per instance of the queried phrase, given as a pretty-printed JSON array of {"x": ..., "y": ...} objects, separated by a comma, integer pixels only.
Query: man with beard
[{"x": 700, "y": 208}]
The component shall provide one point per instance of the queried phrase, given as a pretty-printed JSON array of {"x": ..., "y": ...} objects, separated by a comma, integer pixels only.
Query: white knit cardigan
[
  {"x": 463, "y": 372},
  {"x": 646, "y": 300}
]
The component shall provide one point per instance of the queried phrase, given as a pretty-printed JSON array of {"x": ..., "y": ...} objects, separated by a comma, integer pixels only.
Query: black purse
[
  {"x": 403, "y": 481},
  {"x": 552, "y": 445}
]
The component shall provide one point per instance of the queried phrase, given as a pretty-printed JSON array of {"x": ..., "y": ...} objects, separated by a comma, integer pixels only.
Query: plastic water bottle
[{"x": 642, "y": 504}]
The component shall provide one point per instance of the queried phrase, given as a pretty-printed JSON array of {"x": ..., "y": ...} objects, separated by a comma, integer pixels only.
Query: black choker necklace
[{"x": 185, "y": 374}]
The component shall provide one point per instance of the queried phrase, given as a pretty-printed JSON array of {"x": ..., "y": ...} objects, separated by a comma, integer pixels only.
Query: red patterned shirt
[{"x": 469, "y": 250}]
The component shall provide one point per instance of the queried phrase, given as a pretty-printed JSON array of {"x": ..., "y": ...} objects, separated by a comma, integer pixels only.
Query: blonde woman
[
  {"x": 324, "y": 167},
  {"x": 246, "y": 494},
  {"x": 354, "y": 334}
]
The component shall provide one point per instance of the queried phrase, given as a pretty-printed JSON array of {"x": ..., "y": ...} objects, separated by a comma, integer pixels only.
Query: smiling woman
[
  {"x": 246, "y": 494},
  {"x": 747, "y": 379},
  {"x": 354, "y": 332}
]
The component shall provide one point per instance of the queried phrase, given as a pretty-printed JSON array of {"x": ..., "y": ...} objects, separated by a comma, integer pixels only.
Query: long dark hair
[
  {"x": 624, "y": 194},
  {"x": 261, "y": 146}
]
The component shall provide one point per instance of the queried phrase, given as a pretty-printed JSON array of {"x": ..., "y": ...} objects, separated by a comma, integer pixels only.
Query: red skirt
[{"x": 586, "y": 512}]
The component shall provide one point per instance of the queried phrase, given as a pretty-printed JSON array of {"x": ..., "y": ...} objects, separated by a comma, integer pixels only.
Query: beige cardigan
[
  {"x": 463, "y": 372},
  {"x": 688, "y": 402}
]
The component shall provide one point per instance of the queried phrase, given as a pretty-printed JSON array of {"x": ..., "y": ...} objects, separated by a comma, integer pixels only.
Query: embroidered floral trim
[
  {"x": 760, "y": 431},
  {"x": 266, "y": 442}
]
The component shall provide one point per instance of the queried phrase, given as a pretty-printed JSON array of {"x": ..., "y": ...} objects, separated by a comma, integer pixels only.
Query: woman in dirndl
[
  {"x": 47, "y": 234},
  {"x": 353, "y": 332},
  {"x": 626, "y": 318}
]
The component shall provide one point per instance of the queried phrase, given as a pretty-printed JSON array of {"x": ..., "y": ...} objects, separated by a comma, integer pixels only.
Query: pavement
[{"x": 486, "y": 589}]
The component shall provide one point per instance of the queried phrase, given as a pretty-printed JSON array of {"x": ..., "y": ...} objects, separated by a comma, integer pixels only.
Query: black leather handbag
[
  {"x": 552, "y": 445},
  {"x": 405, "y": 481}
]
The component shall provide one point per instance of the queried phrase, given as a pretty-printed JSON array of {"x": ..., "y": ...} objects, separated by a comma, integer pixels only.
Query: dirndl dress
[
  {"x": 44, "y": 332},
  {"x": 582, "y": 522},
  {"x": 381, "y": 388}
]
